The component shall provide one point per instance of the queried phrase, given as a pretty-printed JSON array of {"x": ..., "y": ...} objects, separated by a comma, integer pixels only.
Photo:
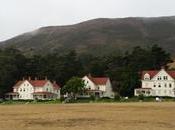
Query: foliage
[
  {"x": 123, "y": 69},
  {"x": 73, "y": 87},
  {"x": 141, "y": 97}
]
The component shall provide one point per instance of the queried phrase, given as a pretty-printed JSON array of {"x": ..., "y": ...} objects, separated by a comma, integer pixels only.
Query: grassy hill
[{"x": 99, "y": 36}]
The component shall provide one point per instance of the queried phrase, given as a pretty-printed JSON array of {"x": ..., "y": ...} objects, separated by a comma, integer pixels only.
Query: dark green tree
[{"x": 73, "y": 87}]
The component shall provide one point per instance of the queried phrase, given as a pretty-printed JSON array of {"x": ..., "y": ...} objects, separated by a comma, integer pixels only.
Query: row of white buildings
[
  {"x": 159, "y": 83},
  {"x": 28, "y": 89}
]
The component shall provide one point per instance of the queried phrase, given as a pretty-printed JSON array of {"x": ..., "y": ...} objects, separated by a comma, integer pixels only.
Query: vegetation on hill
[
  {"x": 99, "y": 36},
  {"x": 123, "y": 69}
]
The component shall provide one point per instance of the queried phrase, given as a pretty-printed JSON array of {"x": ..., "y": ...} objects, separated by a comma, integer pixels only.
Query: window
[
  {"x": 20, "y": 89},
  {"x": 24, "y": 90},
  {"x": 47, "y": 89},
  {"x": 154, "y": 85},
  {"x": 148, "y": 92},
  {"x": 170, "y": 85},
  {"x": 165, "y": 77},
  {"x": 158, "y": 78},
  {"x": 159, "y": 86},
  {"x": 165, "y": 85}
]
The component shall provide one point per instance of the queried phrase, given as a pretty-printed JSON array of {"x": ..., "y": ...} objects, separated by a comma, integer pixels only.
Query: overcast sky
[{"x": 19, "y": 16}]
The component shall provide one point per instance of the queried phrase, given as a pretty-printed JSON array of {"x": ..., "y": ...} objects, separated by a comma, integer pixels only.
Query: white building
[
  {"x": 34, "y": 89},
  {"x": 157, "y": 83},
  {"x": 98, "y": 86}
]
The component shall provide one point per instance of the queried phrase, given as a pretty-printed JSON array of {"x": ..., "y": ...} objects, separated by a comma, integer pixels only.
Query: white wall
[
  {"x": 106, "y": 89},
  {"x": 25, "y": 90},
  {"x": 88, "y": 83},
  {"x": 159, "y": 85},
  {"x": 109, "y": 92}
]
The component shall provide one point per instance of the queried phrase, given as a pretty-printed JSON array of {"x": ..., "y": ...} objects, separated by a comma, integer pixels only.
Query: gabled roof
[
  {"x": 152, "y": 73},
  {"x": 56, "y": 86},
  {"x": 18, "y": 83},
  {"x": 171, "y": 73},
  {"x": 98, "y": 80},
  {"x": 36, "y": 83}
]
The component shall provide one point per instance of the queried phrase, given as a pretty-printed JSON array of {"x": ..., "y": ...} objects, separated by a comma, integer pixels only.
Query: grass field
[{"x": 107, "y": 116}]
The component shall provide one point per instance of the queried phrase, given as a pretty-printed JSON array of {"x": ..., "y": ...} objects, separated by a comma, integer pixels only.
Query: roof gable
[
  {"x": 37, "y": 83},
  {"x": 153, "y": 73},
  {"x": 98, "y": 80}
]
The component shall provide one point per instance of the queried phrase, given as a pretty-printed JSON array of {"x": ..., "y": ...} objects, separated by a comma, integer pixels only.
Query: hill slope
[{"x": 99, "y": 36}]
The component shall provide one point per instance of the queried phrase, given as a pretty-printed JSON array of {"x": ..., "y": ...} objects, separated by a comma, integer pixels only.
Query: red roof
[
  {"x": 171, "y": 73},
  {"x": 152, "y": 73},
  {"x": 99, "y": 80},
  {"x": 37, "y": 83},
  {"x": 18, "y": 83},
  {"x": 56, "y": 86}
]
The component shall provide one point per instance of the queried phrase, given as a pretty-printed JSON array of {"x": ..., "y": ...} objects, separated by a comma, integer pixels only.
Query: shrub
[{"x": 141, "y": 97}]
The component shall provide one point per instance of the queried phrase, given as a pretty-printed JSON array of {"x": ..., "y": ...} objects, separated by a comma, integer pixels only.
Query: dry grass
[{"x": 119, "y": 116}]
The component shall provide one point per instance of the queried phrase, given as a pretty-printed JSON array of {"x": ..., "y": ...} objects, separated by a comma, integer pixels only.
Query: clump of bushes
[{"x": 141, "y": 97}]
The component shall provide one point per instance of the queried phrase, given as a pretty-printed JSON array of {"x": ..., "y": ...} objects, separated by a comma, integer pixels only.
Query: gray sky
[{"x": 19, "y": 16}]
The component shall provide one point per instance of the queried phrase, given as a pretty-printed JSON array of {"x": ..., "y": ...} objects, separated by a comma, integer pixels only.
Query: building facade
[
  {"x": 34, "y": 89},
  {"x": 157, "y": 83},
  {"x": 98, "y": 86}
]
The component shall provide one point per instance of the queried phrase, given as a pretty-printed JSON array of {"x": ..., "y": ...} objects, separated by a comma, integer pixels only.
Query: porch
[
  {"x": 43, "y": 95},
  {"x": 96, "y": 93},
  {"x": 143, "y": 91},
  {"x": 12, "y": 96}
]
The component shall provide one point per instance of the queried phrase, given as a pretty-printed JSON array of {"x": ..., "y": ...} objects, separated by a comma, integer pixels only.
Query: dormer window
[{"x": 146, "y": 76}]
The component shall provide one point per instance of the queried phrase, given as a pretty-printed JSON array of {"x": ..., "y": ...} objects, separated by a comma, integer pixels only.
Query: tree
[
  {"x": 159, "y": 57},
  {"x": 12, "y": 64},
  {"x": 73, "y": 87}
]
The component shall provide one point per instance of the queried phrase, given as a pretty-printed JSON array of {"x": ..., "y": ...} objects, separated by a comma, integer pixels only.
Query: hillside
[{"x": 99, "y": 36}]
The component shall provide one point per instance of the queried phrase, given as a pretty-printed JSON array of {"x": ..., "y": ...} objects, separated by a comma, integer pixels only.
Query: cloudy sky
[{"x": 19, "y": 16}]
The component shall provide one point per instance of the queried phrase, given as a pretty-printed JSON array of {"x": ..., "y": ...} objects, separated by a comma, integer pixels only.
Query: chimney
[
  {"x": 54, "y": 82},
  {"x": 23, "y": 78},
  {"x": 89, "y": 75},
  {"x": 162, "y": 68},
  {"x": 35, "y": 78},
  {"x": 29, "y": 78},
  {"x": 45, "y": 77}
]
